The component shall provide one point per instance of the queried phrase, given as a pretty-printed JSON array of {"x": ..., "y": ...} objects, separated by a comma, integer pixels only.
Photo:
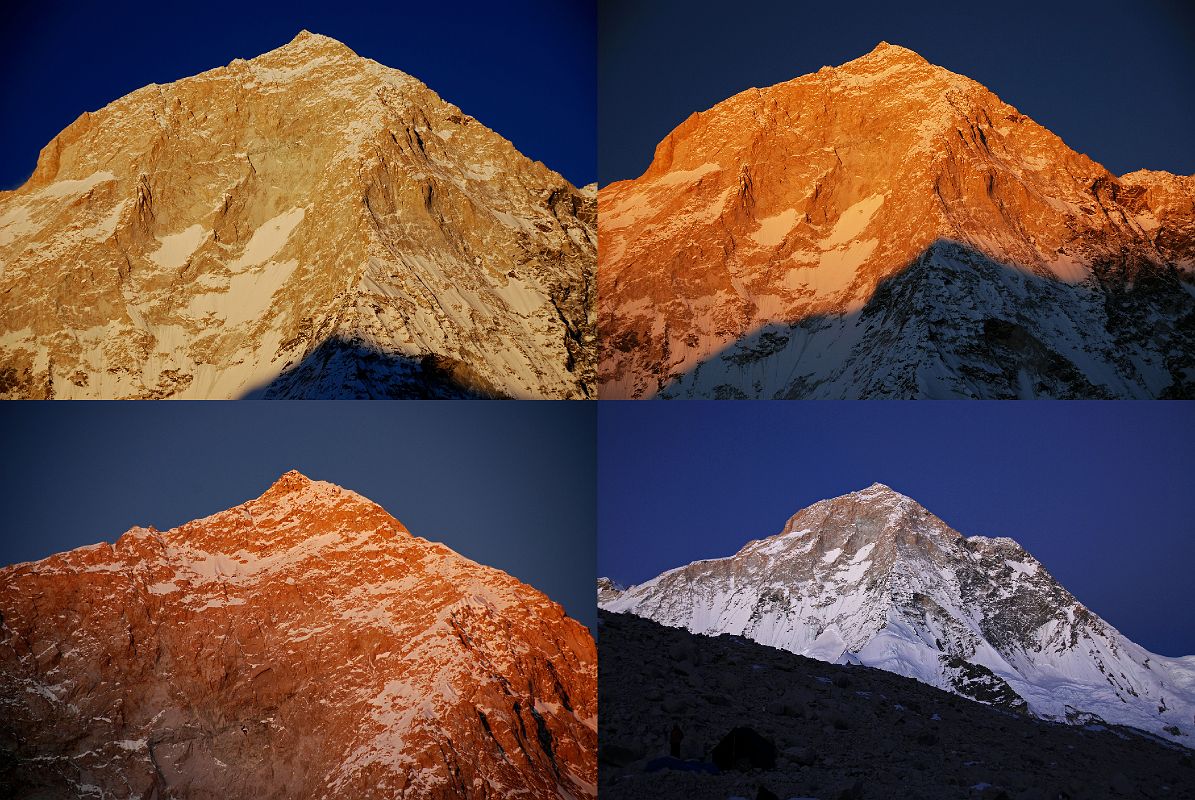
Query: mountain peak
[
  {"x": 411, "y": 640},
  {"x": 290, "y": 481},
  {"x": 875, "y": 577},
  {"x": 880, "y": 491},
  {"x": 911, "y": 177},
  {"x": 277, "y": 151},
  {"x": 885, "y": 509},
  {"x": 889, "y": 52},
  {"x": 305, "y": 40}
]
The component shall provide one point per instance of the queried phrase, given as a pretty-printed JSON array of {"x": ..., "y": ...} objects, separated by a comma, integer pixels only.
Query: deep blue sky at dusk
[
  {"x": 1099, "y": 492},
  {"x": 508, "y": 484},
  {"x": 525, "y": 68},
  {"x": 1115, "y": 80}
]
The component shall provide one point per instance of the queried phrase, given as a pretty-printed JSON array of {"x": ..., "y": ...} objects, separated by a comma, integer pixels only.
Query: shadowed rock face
[
  {"x": 841, "y": 732},
  {"x": 873, "y": 577},
  {"x": 202, "y": 238},
  {"x": 302, "y": 644},
  {"x": 786, "y": 209}
]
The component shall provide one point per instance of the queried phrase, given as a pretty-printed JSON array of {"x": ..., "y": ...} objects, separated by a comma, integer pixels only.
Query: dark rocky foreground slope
[{"x": 846, "y": 732}]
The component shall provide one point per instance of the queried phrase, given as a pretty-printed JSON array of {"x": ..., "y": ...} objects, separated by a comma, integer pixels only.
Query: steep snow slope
[{"x": 874, "y": 578}]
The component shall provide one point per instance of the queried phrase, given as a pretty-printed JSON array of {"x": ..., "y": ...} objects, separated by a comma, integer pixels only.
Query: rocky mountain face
[
  {"x": 307, "y": 223},
  {"x": 874, "y": 578},
  {"x": 302, "y": 644},
  {"x": 889, "y": 229},
  {"x": 608, "y": 590},
  {"x": 839, "y": 732}
]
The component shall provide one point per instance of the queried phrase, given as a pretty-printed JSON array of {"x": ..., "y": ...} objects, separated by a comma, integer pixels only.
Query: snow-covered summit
[
  {"x": 295, "y": 482},
  {"x": 876, "y": 578},
  {"x": 306, "y": 40},
  {"x": 880, "y": 491},
  {"x": 886, "y": 52}
]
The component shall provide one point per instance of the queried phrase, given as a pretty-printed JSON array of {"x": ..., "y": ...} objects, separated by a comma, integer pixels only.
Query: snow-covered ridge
[{"x": 872, "y": 577}]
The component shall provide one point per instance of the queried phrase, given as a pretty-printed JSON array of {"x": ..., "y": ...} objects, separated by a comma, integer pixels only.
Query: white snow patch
[
  {"x": 221, "y": 602},
  {"x": 853, "y": 571},
  {"x": 15, "y": 224},
  {"x": 176, "y": 248},
  {"x": 513, "y": 222},
  {"x": 480, "y": 172},
  {"x": 772, "y": 230},
  {"x": 1024, "y": 569},
  {"x": 1069, "y": 269},
  {"x": 687, "y": 175},
  {"x": 248, "y": 295},
  {"x": 69, "y": 187},
  {"x": 834, "y": 271},
  {"x": 853, "y": 221},
  {"x": 863, "y": 553},
  {"x": 267, "y": 240}
]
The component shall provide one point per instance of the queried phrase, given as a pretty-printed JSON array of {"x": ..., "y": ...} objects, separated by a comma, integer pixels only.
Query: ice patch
[
  {"x": 221, "y": 602},
  {"x": 834, "y": 271},
  {"x": 852, "y": 572}
]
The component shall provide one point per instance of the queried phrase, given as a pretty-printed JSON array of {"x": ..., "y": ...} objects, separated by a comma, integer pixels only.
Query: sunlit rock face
[
  {"x": 888, "y": 228},
  {"x": 308, "y": 223},
  {"x": 301, "y": 644},
  {"x": 874, "y": 578}
]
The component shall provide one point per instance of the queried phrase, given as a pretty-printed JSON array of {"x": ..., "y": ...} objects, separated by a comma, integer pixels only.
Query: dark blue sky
[
  {"x": 510, "y": 484},
  {"x": 1099, "y": 492},
  {"x": 1115, "y": 80},
  {"x": 525, "y": 68}
]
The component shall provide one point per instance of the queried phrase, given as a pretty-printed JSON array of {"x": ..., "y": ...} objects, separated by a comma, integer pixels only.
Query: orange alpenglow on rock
[
  {"x": 308, "y": 223},
  {"x": 888, "y": 228},
  {"x": 302, "y": 644}
]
